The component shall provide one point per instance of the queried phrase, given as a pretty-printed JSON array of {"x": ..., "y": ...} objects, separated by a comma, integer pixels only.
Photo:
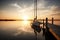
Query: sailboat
[{"x": 36, "y": 24}]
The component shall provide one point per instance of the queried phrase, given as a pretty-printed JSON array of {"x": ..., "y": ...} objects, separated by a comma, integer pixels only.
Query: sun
[{"x": 25, "y": 18}]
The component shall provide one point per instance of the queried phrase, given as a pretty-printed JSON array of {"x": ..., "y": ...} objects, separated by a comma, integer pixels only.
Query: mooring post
[
  {"x": 52, "y": 20},
  {"x": 47, "y": 23},
  {"x": 43, "y": 23},
  {"x": 43, "y": 28}
]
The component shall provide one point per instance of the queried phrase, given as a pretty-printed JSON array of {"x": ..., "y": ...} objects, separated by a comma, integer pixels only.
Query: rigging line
[{"x": 35, "y": 8}]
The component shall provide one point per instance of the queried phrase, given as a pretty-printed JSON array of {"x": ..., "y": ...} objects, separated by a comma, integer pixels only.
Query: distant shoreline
[{"x": 27, "y": 20}]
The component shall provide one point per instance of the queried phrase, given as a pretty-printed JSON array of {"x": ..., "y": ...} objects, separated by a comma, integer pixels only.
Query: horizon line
[{"x": 27, "y": 20}]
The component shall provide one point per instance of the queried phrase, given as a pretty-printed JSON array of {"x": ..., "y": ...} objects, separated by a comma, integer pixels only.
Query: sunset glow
[
  {"x": 19, "y": 8},
  {"x": 25, "y": 18}
]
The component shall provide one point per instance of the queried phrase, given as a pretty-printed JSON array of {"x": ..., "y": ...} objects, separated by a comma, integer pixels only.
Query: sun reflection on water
[{"x": 25, "y": 22}]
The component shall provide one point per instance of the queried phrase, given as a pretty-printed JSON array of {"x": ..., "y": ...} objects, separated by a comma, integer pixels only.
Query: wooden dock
[{"x": 52, "y": 30}]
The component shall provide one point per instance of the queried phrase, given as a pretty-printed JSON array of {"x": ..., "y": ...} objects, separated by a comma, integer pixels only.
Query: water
[
  {"x": 16, "y": 30},
  {"x": 55, "y": 22},
  {"x": 19, "y": 29},
  {"x": 16, "y": 26}
]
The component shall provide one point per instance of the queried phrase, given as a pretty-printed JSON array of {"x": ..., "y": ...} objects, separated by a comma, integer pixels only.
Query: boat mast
[{"x": 35, "y": 9}]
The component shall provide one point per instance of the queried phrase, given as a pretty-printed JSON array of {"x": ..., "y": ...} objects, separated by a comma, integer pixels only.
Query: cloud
[
  {"x": 58, "y": 14},
  {"x": 55, "y": 10},
  {"x": 52, "y": 2},
  {"x": 20, "y": 7},
  {"x": 16, "y": 5}
]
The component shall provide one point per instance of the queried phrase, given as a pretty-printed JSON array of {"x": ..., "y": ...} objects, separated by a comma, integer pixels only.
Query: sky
[{"x": 16, "y": 9}]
